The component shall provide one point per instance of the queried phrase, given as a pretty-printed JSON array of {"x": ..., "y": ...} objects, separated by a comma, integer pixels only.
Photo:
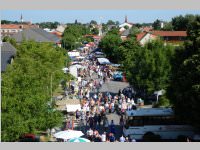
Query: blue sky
[{"x": 84, "y": 16}]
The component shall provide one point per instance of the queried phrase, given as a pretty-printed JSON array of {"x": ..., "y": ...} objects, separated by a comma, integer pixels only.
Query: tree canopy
[
  {"x": 184, "y": 90},
  {"x": 110, "y": 43},
  {"x": 26, "y": 90},
  {"x": 50, "y": 25},
  {"x": 73, "y": 36},
  {"x": 156, "y": 24},
  {"x": 148, "y": 68}
]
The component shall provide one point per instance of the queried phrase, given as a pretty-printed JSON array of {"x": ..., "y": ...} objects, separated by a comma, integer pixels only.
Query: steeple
[
  {"x": 126, "y": 20},
  {"x": 21, "y": 18}
]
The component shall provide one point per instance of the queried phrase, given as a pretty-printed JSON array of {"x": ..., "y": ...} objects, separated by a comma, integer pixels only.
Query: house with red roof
[
  {"x": 96, "y": 38},
  {"x": 173, "y": 37},
  {"x": 10, "y": 29}
]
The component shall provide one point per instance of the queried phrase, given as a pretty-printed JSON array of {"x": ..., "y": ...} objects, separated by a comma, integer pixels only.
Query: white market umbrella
[
  {"x": 68, "y": 134},
  {"x": 79, "y": 140}
]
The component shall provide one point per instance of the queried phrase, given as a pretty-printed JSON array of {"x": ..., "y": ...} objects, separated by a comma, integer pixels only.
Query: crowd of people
[{"x": 96, "y": 105}]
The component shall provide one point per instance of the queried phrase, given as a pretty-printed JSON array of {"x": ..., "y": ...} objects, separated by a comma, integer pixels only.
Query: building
[
  {"x": 146, "y": 28},
  {"x": 11, "y": 29},
  {"x": 61, "y": 28},
  {"x": 125, "y": 24},
  {"x": 96, "y": 38},
  {"x": 8, "y": 52},
  {"x": 37, "y": 34},
  {"x": 145, "y": 37},
  {"x": 125, "y": 34},
  {"x": 173, "y": 37}
]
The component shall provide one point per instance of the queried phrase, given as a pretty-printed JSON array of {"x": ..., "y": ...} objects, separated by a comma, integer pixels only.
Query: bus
[{"x": 159, "y": 121}]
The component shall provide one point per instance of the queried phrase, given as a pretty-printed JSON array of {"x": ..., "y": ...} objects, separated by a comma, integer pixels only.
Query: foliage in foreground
[
  {"x": 184, "y": 90},
  {"x": 26, "y": 87}
]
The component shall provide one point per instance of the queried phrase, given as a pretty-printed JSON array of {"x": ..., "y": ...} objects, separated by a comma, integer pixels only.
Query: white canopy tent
[
  {"x": 68, "y": 134},
  {"x": 103, "y": 61},
  {"x": 73, "y": 108},
  {"x": 73, "y": 69},
  {"x": 74, "y": 53}
]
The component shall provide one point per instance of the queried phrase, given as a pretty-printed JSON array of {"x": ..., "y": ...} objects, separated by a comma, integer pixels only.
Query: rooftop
[
  {"x": 37, "y": 34},
  {"x": 151, "y": 112},
  {"x": 7, "y": 53},
  {"x": 169, "y": 33}
]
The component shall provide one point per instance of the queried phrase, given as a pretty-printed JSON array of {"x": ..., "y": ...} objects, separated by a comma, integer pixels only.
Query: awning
[
  {"x": 103, "y": 61},
  {"x": 73, "y": 108}
]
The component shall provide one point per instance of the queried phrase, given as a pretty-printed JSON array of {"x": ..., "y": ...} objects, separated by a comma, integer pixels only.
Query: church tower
[
  {"x": 100, "y": 28},
  {"x": 21, "y": 19},
  {"x": 126, "y": 20}
]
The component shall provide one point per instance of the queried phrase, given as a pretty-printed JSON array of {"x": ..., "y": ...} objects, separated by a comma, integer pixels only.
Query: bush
[{"x": 163, "y": 101}]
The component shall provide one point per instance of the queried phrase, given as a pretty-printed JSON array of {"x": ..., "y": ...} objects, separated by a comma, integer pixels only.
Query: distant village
[{"x": 29, "y": 31}]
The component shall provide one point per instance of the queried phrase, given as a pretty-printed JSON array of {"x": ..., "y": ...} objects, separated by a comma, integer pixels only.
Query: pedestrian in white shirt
[
  {"x": 87, "y": 109},
  {"x": 103, "y": 137},
  {"x": 132, "y": 102},
  {"x": 122, "y": 139}
]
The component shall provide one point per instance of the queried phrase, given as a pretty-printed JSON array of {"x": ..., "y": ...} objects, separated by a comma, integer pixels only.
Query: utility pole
[{"x": 51, "y": 91}]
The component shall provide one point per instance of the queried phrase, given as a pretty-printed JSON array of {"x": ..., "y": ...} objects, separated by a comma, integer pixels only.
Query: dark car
[
  {"x": 129, "y": 92},
  {"x": 29, "y": 138}
]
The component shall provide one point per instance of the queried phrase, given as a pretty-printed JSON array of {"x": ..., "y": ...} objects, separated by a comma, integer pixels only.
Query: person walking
[
  {"x": 121, "y": 121},
  {"x": 112, "y": 137},
  {"x": 91, "y": 122},
  {"x": 103, "y": 137},
  {"x": 112, "y": 127},
  {"x": 105, "y": 124},
  {"x": 99, "y": 120},
  {"x": 95, "y": 120},
  {"x": 122, "y": 139}
]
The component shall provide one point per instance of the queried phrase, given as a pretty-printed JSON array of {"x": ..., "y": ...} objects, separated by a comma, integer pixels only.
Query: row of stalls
[{"x": 71, "y": 104}]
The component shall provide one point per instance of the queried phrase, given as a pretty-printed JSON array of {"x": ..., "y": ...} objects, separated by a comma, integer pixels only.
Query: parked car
[
  {"x": 29, "y": 138},
  {"x": 129, "y": 92},
  {"x": 118, "y": 76}
]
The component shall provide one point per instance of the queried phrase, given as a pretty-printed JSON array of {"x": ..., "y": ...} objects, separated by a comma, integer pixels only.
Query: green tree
[
  {"x": 180, "y": 23},
  {"x": 93, "y": 22},
  {"x": 73, "y": 36},
  {"x": 50, "y": 25},
  {"x": 110, "y": 44},
  {"x": 95, "y": 31},
  {"x": 126, "y": 27},
  {"x": 26, "y": 89},
  {"x": 134, "y": 31},
  {"x": 156, "y": 25},
  {"x": 148, "y": 68},
  {"x": 184, "y": 90},
  {"x": 68, "y": 42},
  {"x": 168, "y": 27},
  {"x": 110, "y": 22},
  {"x": 117, "y": 23},
  {"x": 10, "y": 40}
]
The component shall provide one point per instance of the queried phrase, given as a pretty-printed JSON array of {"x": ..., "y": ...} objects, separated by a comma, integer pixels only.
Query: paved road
[
  {"x": 112, "y": 116},
  {"x": 113, "y": 86}
]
